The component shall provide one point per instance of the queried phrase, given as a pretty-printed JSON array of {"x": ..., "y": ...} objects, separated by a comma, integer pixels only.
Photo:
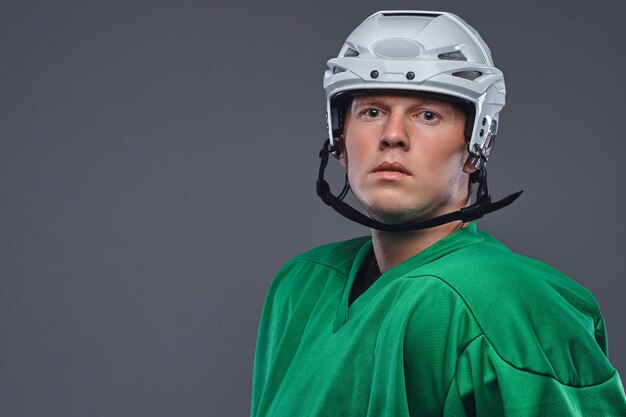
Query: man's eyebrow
[
  {"x": 442, "y": 103},
  {"x": 424, "y": 101},
  {"x": 367, "y": 100}
]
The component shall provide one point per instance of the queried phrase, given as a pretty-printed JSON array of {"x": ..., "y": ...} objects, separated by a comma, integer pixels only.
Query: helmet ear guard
[
  {"x": 336, "y": 116},
  {"x": 480, "y": 150}
]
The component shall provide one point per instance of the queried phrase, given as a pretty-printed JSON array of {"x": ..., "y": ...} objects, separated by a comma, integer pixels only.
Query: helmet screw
[
  {"x": 484, "y": 121},
  {"x": 482, "y": 132},
  {"x": 374, "y": 74},
  {"x": 410, "y": 75}
]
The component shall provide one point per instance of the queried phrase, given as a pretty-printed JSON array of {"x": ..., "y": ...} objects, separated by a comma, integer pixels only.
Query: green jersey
[{"x": 464, "y": 328}]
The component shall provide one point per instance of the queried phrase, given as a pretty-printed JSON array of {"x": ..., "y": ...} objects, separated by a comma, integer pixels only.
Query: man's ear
[
  {"x": 341, "y": 149},
  {"x": 470, "y": 164},
  {"x": 472, "y": 161}
]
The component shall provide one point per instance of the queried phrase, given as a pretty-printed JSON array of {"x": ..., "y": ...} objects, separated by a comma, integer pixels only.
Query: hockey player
[{"x": 428, "y": 316}]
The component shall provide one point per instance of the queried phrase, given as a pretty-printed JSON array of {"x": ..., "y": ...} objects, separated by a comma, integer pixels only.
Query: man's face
[{"x": 406, "y": 156}]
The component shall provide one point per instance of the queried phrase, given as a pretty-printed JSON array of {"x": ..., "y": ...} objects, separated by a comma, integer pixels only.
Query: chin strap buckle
[{"x": 473, "y": 212}]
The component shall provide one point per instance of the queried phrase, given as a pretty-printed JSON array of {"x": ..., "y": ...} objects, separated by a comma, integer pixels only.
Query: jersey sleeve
[{"x": 485, "y": 384}]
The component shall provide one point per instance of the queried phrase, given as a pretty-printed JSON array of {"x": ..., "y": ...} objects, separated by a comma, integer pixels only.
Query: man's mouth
[{"x": 391, "y": 167}]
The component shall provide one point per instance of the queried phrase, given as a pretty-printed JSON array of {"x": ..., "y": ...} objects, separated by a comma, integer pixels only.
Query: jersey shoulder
[
  {"x": 338, "y": 255},
  {"x": 310, "y": 272},
  {"x": 536, "y": 318}
]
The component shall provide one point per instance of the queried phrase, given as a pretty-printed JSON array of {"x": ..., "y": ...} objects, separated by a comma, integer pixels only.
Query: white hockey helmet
[{"x": 419, "y": 51}]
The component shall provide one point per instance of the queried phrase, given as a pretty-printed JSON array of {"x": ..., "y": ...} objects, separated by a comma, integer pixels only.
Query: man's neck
[{"x": 393, "y": 248}]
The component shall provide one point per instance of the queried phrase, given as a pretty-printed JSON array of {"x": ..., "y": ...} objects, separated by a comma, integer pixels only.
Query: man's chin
[{"x": 393, "y": 217}]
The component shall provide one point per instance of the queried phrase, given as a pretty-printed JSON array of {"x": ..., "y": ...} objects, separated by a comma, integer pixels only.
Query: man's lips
[{"x": 391, "y": 167}]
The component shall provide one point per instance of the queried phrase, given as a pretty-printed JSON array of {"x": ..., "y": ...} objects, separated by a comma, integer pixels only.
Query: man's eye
[
  {"x": 372, "y": 112},
  {"x": 429, "y": 116}
]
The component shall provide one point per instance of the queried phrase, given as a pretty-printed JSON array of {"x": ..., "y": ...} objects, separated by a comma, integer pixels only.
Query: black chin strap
[{"x": 482, "y": 206}]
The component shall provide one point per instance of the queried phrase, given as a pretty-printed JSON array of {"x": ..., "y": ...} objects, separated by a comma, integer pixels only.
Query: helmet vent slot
[
  {"x": 351, "y": 53},
  {"x": 337, "y": 70},
  {"x": 409, "y": 14},
  {"x": 468, "y": 75},
  {"x": 453, "y": 56}
]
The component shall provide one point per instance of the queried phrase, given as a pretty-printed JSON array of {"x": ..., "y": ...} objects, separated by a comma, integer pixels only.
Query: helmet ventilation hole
[
  {"x": 452, "y": 56},
  {"x": 351, "y": 53},
  {"x": 468, "y": 75}
]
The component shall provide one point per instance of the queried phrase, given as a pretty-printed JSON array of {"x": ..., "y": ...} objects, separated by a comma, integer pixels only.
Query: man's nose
[{"x": 395, "y": 133}]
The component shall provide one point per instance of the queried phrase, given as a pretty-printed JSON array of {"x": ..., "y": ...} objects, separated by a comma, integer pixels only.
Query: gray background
[{"x": 157, "y": 165}]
